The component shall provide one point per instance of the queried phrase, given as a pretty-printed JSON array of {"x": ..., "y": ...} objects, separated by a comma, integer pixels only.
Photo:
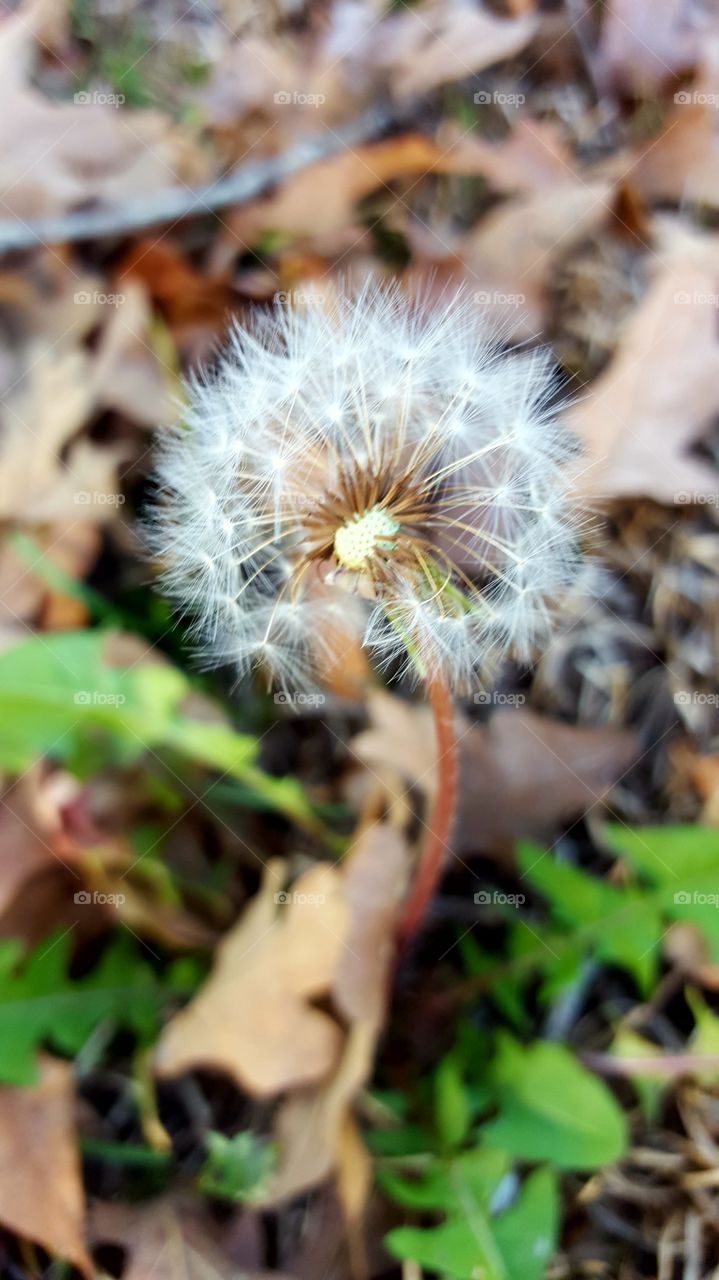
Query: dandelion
[{"x": 375, "y": 464}]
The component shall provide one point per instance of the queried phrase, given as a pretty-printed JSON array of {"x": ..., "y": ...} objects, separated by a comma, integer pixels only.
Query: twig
[
  {"x": 169, "y": 206},
  {"x": 668, "y": 1065},
  {"x": 441, "y": 820}
]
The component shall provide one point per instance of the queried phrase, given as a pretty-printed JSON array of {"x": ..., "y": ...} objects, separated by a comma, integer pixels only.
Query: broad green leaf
[
  {"x": 472, "y": 1242},
  {"x": 60, "y": 696},
  {"x": 629, "y": 921},
  {"x": 478, "y": 1171},
  {"x": 551, "y": 1108},
  {"x": 40, "y": 1004},
  {"x": 527, "y": 1233}
]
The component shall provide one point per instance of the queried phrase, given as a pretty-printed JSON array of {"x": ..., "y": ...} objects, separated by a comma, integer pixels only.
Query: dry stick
[
  {"x": 441, "y": 820},
  {"x": 171, "y": 205}
]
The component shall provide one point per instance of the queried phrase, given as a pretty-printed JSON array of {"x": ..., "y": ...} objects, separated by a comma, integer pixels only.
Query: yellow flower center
[{"x": 362, "y": 535}]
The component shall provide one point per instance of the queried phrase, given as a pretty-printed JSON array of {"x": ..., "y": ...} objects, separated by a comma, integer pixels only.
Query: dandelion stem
[{"x": 441, "y": 820}]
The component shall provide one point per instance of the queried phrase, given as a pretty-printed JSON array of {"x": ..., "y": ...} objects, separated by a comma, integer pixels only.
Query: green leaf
[
  {"x": 60, "y": 696},
  {"x": 39, "y": 1003},
  {"x": 551, "y": 1108},
  {"x": 628, "y": 922},
  {"x": 236, "y": 1169},
  {"x": 451, "y": 1103},
  {"x": 682, "y": 864},
  {"x": 473, "y": 1243},
  {"x": 527, "y": 1233}
]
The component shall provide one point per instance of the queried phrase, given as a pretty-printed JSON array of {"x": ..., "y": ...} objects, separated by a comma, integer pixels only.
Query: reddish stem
[{"x": 441, "y": 819}]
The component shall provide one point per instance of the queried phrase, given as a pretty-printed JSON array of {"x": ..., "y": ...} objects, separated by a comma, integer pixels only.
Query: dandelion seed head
[{"x": 374, "y": 465}]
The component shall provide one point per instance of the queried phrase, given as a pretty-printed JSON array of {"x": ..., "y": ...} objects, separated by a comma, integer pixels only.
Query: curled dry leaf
[
  {"x": 39, "y": 1123},
  {"x": 660, "y": 393},
  {"x": 315, "y": 1130},
  {"x": 253, "y": 1017}
]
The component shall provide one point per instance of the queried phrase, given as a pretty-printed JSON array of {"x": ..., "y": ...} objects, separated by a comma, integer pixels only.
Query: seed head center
[{"x": 360, "y": 537}]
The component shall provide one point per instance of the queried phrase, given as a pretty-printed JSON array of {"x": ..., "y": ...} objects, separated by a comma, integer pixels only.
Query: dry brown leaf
[
  {"x": 661, "y": 391},
  {"x": 310, "y": 1128},
  {"x": 645, "y": 43},
  {"x": 168, "y": 1238},
  {"x": 436, "y": 43},
  {"x": 41, "y": 1194},
  {"x": 88, "y": 151},
  {"x": 521, "y": 773},
  {"x": 30, "y": 822},
  {"x": 128, "y": 373},
  {"x": 374, "y": 877},
  {"x": 323, "y": 198},
  {"x": 682, "y": 163},
  {"x": 512, "y": 253},
  {"x": 50, "y": 405},
  {"x": 253, "y": 1018}
]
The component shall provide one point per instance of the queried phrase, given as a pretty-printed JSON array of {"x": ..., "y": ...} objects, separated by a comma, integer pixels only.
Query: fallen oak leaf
[
  {"x": 41, "y": 1193},
  {"x": 252, "y": 1019},
  {"x": 433, "y": 44},
  {"x": 374, "y": 879},
  {"x": 660, "y": 392},
  {"x": 521, "y": 774}
]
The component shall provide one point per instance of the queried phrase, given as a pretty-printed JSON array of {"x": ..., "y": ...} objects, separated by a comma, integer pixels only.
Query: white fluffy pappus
[{"x": 373, "y": 463}]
